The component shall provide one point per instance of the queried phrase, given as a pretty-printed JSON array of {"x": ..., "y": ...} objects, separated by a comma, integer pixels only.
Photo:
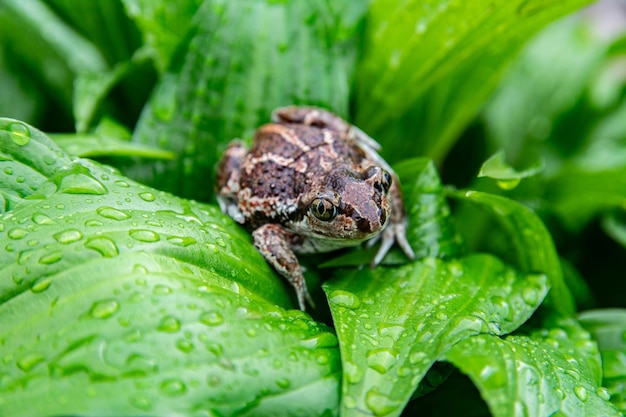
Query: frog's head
[{"x": 349, "y": 205}]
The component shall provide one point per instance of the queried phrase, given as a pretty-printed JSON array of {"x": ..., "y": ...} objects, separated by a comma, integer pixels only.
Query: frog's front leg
[
  {"x": 274, "y": 243},
  {"x": 228, "y": 176}
]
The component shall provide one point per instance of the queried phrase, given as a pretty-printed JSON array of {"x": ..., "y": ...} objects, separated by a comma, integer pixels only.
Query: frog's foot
[
  {"x": 274, "y": 244},
  {"x": 316, "y": 116},
  {"x": 395, "y": 232}
]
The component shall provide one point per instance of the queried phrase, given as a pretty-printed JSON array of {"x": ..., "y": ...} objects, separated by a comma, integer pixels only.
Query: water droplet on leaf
[
  {"x": 169, "y": 324},
  {"x": 112, "y": 213},
  {"x": 105, "y": 246},
  {"x": 104, "y": 308},
  {"x": 68, "y": 236},
  {"x": 344, "y": 299},
  {"x": 143, "y": 235},
  {"x": 20, "y": 133}
]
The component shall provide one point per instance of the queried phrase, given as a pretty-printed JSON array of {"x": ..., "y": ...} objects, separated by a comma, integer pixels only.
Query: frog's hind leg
[
  {"x": 315, "y": 116},
  {"x": 274, "y": 244},
  {"x": 228, "y": 176}
]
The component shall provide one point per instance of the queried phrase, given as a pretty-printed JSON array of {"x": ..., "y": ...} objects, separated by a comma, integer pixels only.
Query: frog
[{"x": 311, "y": 183}]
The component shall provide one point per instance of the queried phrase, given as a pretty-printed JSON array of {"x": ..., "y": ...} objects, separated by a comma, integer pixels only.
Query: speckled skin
[{"x": 311, "y": 183}]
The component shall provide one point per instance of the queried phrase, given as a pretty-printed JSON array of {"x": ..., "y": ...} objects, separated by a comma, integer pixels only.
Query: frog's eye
[
  {"x": 386, "y": 181},
  {"x": 323, "y": 209}
]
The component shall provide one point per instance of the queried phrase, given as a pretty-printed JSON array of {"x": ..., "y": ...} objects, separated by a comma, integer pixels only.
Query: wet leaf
[
  {"x": 435, "y": 63},
  {"x": 394, "y": 323},
  {"x": 608, "y": 328},
  {"x": 531, "y": 246},
  {"x": 552, "y": 371},
  {"x": 124, "y": 299},
  {"x": 507, "y": 176}
]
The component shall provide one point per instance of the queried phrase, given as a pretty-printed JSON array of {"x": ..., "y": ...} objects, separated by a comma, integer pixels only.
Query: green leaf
[
  {"x": 47, "y": 46},
  {"x": 163, "y": 25},
  {"x": 429, "y": 66},
  {"x": 608, "y": 328},
  {"x": 104, "y": 23},
  {"x": 553, "y": 371},
  {"x": 394, "y": 323},
  {"x": 614, "y": 225},
  {"x": 508, "y": 177},
  {"x": 242, "y": 60},
  {"x": 530, "y": 244},
  {"x": 91, "y": 89},
  {"x": 119, "y": 298},
  {"x": 93, "y": 145}
]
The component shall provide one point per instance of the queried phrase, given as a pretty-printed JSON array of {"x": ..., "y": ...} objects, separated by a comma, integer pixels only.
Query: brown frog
[{"x": 311, "y": 183}]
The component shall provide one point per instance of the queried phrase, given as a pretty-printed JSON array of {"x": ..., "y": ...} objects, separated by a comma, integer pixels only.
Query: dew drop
[
  {"x": 283, "y": 383},
  {"x": 28, "y": 362},
  {"x": 502, "y": 307},
  {"x": 81, "y": 183},
  {"x": 220, "y": 242},
  {"x": 104, "y": 308},
  {"x": 105, "y": 246},
  {"x": 344, "y": 299},
  {"x": 68, "y": 236},
  {"x": 417, "y": 356},
  {"x": 381, "y": 360},
  {"x": 17, "y": 233},
  {"x": 40, "y": 218},
  {"x": 161, "y": 290},
  {"x": 169, "y": 324},
  {"x": 603, "y": 393},
  {"x": 581, "y": 393},
  {"x": 184, "y": 346},
  {"x": 143, "y": 235},
  {"x": 181, "y": 241},
  {"x": 8, "y": 170},
  {"x": 392, "y": 330},
  {"x": 112, "y": 213},
  {"x": 352, "y": 372},
  {"x": 173, "y": 387},
  {"x": 322, "y": 359},
  {"x": 20, "y": 133},
  {"x": 531, "y": 295},
  {"x": 148, "y": 197},
  {"x": 214, "y": 348},
  {"x": 141, "y": 402},
  {"x": 50, "y": 258},
  {"x": 380, "y": 404},
  {"x": 93, "y": 223},
  {"x": 211, "y": 318},
  {"x": 41, "y": 285},
  {"x": 121, "y": 184}
]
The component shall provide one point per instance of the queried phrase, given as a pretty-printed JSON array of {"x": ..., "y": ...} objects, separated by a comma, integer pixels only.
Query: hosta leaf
[
  {"x": 242, "y": 60},
  {"x": 119, "y": 298},
  {"x": 551, "y": 372},
  {"x": 429, "y": 66},
  {"x": 394, "y": 323},
  {"x": 531, "y": 246},
  {"x": 608, "y": 328}
]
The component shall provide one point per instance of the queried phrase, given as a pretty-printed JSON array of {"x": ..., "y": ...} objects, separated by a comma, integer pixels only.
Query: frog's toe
[{"x": 393, "y": 233}]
